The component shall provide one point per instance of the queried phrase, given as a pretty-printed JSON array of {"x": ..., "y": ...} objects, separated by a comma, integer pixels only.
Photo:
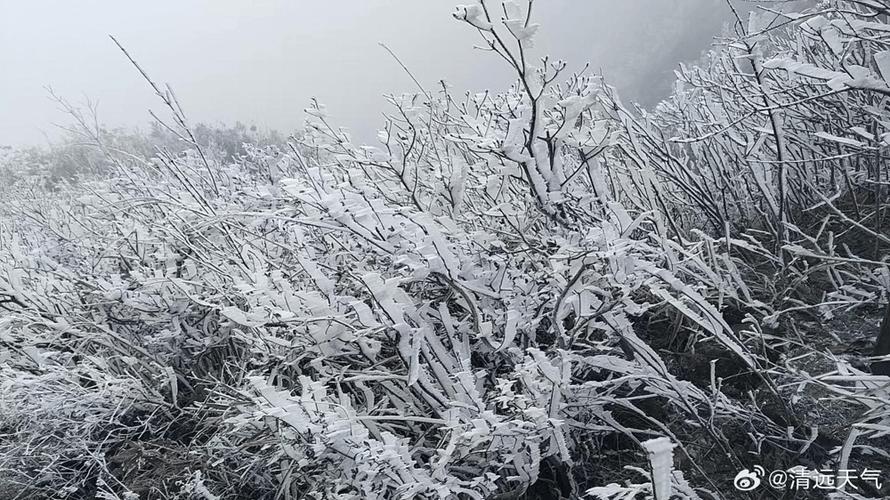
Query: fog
[{"x": 260, "y": 62}]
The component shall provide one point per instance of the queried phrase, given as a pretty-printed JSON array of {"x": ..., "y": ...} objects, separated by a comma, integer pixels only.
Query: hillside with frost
[{"x": 535, "y": 293}]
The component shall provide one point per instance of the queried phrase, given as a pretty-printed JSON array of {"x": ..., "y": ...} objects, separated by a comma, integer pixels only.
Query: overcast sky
[{"x": 260, "y": 61}]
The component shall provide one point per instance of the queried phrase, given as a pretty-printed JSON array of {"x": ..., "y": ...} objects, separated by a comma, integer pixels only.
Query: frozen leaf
[
  {"x": 251, "y": 320},
  {"x": 882, "y": 59}
]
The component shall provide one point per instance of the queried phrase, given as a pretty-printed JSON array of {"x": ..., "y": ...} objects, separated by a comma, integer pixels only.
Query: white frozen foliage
[{"x": 481, "y": 306}]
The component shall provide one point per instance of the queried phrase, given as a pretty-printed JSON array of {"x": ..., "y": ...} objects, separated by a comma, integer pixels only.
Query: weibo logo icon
[{"x": 747, "y": 480}]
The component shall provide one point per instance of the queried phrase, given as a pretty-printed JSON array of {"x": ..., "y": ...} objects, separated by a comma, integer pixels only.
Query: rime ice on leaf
[
  {"x": 661, "y": 459},
  {"x": 882, "y": 59},
  {"x": 474, "y": 15},
  {"x": 522, "y": 32}
]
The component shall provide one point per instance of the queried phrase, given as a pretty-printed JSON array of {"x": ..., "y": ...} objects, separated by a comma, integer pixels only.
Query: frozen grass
[{"x": 528, "y": 294}]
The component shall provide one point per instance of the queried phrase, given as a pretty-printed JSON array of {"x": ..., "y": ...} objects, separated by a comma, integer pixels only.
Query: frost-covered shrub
[
  {"x": 776, "y": 136},
  {"x": 464, "y": 310}
]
